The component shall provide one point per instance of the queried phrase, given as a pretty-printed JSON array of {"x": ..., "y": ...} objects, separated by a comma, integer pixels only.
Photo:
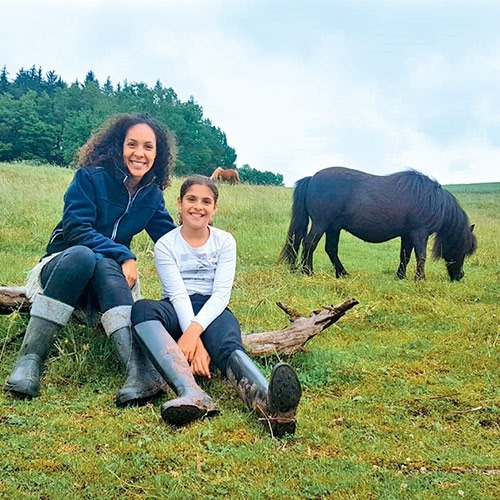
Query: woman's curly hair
[{"x": 105, "y": 146}]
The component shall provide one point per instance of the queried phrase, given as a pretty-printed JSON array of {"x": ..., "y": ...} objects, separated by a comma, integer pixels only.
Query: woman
[
  {"x": 192, "y": 326},
  {"x": 115, "y": 194}
]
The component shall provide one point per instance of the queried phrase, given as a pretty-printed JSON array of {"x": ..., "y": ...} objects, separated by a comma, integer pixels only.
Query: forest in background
[{"x": 44, "y": 119}]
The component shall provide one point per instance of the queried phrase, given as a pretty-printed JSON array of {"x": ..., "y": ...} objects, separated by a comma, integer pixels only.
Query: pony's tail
[{"x": 298, "y": 225}]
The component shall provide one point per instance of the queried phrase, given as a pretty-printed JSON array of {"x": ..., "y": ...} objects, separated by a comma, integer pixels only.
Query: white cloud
[
  {"x": 378, "y": 86},
  {"x": 470, "y": 161}
]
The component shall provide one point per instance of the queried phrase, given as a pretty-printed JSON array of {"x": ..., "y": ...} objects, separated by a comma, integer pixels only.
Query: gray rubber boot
[
  {"x": 193, "y": 403},
  {"x": 47, "y": 317},
  {"x": 276, "y": 402},
  {"x": 143, "y": 381}
]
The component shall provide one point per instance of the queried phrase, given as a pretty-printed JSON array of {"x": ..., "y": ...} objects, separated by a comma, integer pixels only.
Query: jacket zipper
[
  {"x": 130, "y": 201},
  {"x": 55, "y": 234}
]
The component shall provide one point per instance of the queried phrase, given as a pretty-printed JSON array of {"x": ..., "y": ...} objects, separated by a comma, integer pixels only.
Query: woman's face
[{"x": 139, "y": 150}]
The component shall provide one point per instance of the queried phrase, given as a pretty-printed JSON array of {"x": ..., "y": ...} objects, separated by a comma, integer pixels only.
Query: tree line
[{"x": 44, "y": 119}]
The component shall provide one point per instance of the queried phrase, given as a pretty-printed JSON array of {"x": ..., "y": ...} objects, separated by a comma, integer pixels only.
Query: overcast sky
[{"x": 297, "y": 86}]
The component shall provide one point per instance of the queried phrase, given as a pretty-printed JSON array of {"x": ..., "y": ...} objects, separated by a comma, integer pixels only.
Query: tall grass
[{"x": 401, "y": 396}]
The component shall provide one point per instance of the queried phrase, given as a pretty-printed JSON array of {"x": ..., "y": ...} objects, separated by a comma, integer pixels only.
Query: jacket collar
[{"x": 121, "y": 174}]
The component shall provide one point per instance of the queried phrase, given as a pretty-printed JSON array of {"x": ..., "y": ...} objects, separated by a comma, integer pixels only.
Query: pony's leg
[
  {"x": 309, "y": 245},
  {"x": 332, "y": 249},
  {"x": 290, "y": 251},
  {"x": 404, "y": 256},
  {"x": 420, "y": 245}
]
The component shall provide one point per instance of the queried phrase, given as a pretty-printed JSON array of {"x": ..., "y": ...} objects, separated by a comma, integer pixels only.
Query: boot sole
[
  {"x": 185, "y": 414},
  {"x": 284, "y": 397},
  {"x": 19, "y": 393},
  {"x": 138, "y": 398}
]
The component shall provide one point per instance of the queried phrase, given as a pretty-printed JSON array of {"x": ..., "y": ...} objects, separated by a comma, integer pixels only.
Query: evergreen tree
[
  {"x": 107, "y": 88},
  {"x": 8, "y": 126},
  {"x": 27, "y": 80},
  {"x": 52, "y": 82},
  {"x": 4, "y": 81}
]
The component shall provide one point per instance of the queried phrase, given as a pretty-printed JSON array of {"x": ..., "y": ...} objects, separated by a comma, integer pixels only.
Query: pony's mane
[
  {"x": 417, "y": 185},
  {"x": 455, "y": 236},
  {"x": 450, "y": 222}
]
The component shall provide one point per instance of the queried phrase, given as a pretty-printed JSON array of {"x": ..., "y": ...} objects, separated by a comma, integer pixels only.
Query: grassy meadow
[{"x": 401, "y": 396}]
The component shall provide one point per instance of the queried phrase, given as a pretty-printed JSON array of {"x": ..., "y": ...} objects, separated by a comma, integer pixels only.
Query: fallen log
[
  {"x": 287, "y": 341},
  {"x": 13, "y": 299},
  {"x": 293, "y": 338}
]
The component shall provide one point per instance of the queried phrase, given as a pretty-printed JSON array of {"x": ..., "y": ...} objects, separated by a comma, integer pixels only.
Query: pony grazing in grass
[
  {"x": 374, "y": 208},
  {"x": 228, "y": 175}
]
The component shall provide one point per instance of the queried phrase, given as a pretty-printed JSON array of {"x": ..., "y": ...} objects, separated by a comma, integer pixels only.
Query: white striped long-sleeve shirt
[{"x": 207, "y": 270}]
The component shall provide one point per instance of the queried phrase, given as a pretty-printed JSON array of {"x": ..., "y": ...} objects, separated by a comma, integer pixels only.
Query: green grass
[{"x": 401, "y": 396}]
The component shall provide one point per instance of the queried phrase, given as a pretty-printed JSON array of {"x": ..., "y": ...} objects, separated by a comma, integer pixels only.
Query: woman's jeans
[
  {"x": 221, "y": 338},
  {"x": 78, "y": 276}
]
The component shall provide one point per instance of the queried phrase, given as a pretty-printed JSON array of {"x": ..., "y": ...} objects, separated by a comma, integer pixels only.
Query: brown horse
[{"x": 228, "y": 175}]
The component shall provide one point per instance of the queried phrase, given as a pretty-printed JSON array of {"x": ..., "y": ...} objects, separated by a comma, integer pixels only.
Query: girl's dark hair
[
  {"x": 194, "y": 180},
  {"x": 105, "y": 146}
]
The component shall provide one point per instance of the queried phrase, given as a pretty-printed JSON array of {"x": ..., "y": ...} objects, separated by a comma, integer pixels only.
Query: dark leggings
[
  {"x": 221, "y": 338},
  {"x": 78, "y": 275}
]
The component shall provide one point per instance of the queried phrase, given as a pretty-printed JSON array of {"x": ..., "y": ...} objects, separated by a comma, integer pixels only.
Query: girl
[
  {"x": 115, "y": 194},
  {"x": 191, "y": 326}
]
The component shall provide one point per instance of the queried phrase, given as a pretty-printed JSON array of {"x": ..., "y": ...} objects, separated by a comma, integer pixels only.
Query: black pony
[{"x": 377, "y": 208}]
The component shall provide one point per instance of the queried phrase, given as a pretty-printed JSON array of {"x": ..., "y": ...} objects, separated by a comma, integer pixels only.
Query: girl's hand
[
  {"x": 129, "y": 270},
  {"x": 201, "y": 361},
  {"x": 189, "y": 340}
]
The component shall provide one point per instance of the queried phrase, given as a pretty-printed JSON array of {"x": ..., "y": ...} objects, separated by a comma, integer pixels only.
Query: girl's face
[
  {"x": 197, "y": 207},
  {"x": 139, "y": 150}
]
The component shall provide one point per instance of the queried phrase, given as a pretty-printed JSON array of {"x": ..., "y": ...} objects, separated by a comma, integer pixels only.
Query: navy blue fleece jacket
[{"x": 102, "y": 215}]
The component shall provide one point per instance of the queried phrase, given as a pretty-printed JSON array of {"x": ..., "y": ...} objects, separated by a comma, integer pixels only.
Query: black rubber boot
[
  {"x": 47, "y": 318},
  {"x": 143, "y": 380},
  {"x": 193, "y": 403},
  {"x": 275, "y": 402}
]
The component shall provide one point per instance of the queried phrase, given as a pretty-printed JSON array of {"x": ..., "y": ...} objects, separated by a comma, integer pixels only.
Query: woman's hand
[
  {"x": 129, "y": 270},
  {"x": 189, "y": 340},
  {"x": 201, "y": 361}
]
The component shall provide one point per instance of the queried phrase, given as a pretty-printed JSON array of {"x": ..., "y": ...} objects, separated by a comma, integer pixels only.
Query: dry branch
[
  {"x": 287, "y": 341},
  {"x": 13, "y": 299},
  {"x": 293, "y": 338}
]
